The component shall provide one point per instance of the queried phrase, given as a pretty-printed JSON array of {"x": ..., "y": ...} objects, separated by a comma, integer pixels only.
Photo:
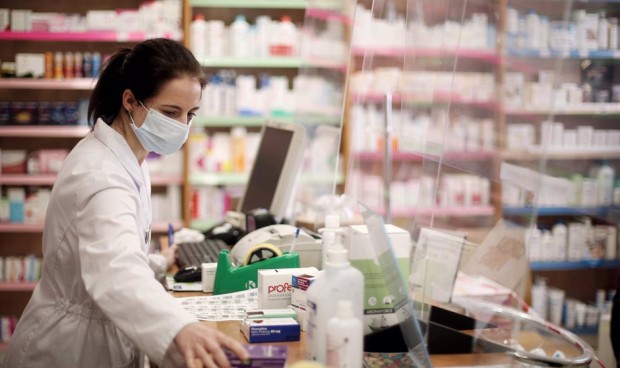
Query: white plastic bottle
[
  {"x": 539, "y": 297},
  {"x": 239, "y": 35},
  {"x": 560, "y": 237},
  {"x": 198, "y": 36},
  {"x": 339, "y": 281},
  {"x": 605, "y": 178},
  {"x": 547, "y": 246},
  {"x": 534, "y": 243},
  {"x": 345, "y": 338},
  {"x": 285, "y": 39}
]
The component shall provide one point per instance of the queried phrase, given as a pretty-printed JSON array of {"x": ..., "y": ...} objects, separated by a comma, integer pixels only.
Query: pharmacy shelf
[
  {"x": 257, "y": 121},
  {"x": 591, "y": 330},
  {"x": 573, "y": 155},
  {"x": 25, "y": 179},
  {"x": 17, "y": 286},
  {"x": 559, "y": 211},
  {"x": 50, "y": 179},
  {"x": 589, "y": 109},
  {"x": 64, "y": 84},
  {"x": 419, "y": 156},
  {"x": 573, "y": 54},
  {"x": 575, "y": 265},
  {"x": 90, "y": 36},
  {"x": 487, "y": 55},
  {"x": 436, "y": 98},
  {"x": 226, "y": 179},
  {"x": 328, "y": 15},
  {"x": 442, "y": 211},
  {"x": 233, "y": 62},
  {"x": 38, "y": 228},
  {"x": 47, "y": 131},
  {"x": 251, "y": 4}
]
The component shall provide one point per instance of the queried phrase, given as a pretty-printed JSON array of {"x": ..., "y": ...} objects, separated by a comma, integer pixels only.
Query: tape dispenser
[{"x": 238, "y": 269}]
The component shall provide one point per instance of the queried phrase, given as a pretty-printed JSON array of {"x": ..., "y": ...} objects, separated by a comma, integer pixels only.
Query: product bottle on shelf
[
  {"x": 339, "y": 281},
  {"x": 239, "y": 34},
  {"x": 605, "y": 177},
  {"x": 559, "y": 233},
  {"x": 533, "y": 240},
  {"x": 345, "y": 338},
  {"x": 198, "y": 32},
  {"x": 539, "y": 297},
  {"x": 285, "y": 38}
]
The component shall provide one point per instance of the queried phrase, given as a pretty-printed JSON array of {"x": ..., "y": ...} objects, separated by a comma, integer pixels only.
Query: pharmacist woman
[{"x": 98, "y": 303}]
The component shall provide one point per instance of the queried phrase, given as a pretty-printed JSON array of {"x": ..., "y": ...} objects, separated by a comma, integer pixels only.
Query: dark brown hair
[{"x": 143, "y": 70}]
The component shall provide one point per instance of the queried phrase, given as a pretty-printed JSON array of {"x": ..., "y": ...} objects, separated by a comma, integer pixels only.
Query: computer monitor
[{"x": 277, "y": 162}]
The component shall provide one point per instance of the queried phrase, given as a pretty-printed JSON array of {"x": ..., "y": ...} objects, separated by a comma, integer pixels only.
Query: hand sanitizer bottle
[{"x": 339, "y": 281}]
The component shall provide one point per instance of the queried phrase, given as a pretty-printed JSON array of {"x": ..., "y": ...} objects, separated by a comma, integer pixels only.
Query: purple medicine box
[{"x": 261, "y": 356}]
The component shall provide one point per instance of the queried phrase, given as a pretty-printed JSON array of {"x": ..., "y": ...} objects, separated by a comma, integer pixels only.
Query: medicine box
[
  {"x": 300, "y": 285},
  {"x": 270, "y": 313},
  {"x": 270, "y": 330},
  {"x": 274, "y": 286},
  {"x": 261, "y": 356}
]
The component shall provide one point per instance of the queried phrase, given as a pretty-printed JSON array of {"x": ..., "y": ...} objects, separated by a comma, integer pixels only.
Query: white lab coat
[{"x": 98, "y": 303}]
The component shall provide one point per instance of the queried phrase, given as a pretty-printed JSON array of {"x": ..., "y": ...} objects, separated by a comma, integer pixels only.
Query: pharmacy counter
[{"x": 296, "y": 350}]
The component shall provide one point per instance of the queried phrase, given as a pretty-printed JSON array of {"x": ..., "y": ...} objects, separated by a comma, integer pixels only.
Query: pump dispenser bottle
[{"x": 339, "y": 281}]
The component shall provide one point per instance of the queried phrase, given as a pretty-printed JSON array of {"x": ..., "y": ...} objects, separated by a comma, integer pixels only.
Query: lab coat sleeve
[{"x": 116, "y": 273}]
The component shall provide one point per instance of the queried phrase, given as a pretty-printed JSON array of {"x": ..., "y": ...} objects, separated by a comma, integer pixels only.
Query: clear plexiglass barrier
[{"x": 488, "y": 131}]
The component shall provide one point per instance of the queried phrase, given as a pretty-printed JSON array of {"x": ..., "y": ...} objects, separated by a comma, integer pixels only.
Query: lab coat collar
[{"x": 118, "y": 145}]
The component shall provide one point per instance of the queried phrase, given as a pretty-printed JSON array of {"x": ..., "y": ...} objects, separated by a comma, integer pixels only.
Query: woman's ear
[{"x": 129, "y": 100}]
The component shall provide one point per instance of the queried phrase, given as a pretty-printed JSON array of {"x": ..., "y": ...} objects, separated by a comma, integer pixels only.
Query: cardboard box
[
  {"x": 275, "y": 286},
  {"x": 383, "y": 299},
  {"x": 300, "y": 285},
  {"x": 261, "y": 356},
  {"x": 270, "y": 330}
]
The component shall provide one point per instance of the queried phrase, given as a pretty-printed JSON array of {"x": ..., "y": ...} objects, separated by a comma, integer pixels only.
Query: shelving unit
[
  {"x": 271, "y": 63},
  {"x": 38, "y": 228},
  {"x": 579, "y": 279},
  {"x": 490, "y": 56},
  {"x": 55, "y": 84},
  {"x": 44, "y": 131},
  {"x": 87, "y": 36},
  {"x": 230, "y": 179},
  {"x": 251, "y": 4}
]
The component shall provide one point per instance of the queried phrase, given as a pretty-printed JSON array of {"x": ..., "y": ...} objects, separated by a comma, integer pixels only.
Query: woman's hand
[
  {"x": 205, "y": 344},
  {"x": 170, "y": 253}
]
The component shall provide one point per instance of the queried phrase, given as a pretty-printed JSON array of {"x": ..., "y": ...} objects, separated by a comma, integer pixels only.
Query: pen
[
  {"x": 294, "y": 242},
  {"x": 170, "y": 235}
]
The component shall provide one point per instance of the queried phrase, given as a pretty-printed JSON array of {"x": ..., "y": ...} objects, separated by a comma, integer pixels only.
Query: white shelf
[
  {"x": 225, "y": 179},
  {"x": 38, "y": 228},
  {"x": 49, "y": 179},
  {"x": 64, "y": 84},
  {"x": 47, "y": 131},
  {"x": 443, "y": 211},
  {"x": 586, "y": 109},
  {"x": 550, "y": 155}
]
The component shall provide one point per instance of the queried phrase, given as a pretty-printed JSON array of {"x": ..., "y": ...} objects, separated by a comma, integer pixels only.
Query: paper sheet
[{"x": 224, "y": 307}]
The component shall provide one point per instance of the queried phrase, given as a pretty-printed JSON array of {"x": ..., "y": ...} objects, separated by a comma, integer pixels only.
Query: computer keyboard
[{"x": 193, "y": 254}]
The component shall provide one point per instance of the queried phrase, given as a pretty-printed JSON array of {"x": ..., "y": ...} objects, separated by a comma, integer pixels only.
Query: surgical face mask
[{"x": 159, "y": 133}]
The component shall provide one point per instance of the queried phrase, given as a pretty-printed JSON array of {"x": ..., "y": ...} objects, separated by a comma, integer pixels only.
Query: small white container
[{"x": 345, "y": 338}]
